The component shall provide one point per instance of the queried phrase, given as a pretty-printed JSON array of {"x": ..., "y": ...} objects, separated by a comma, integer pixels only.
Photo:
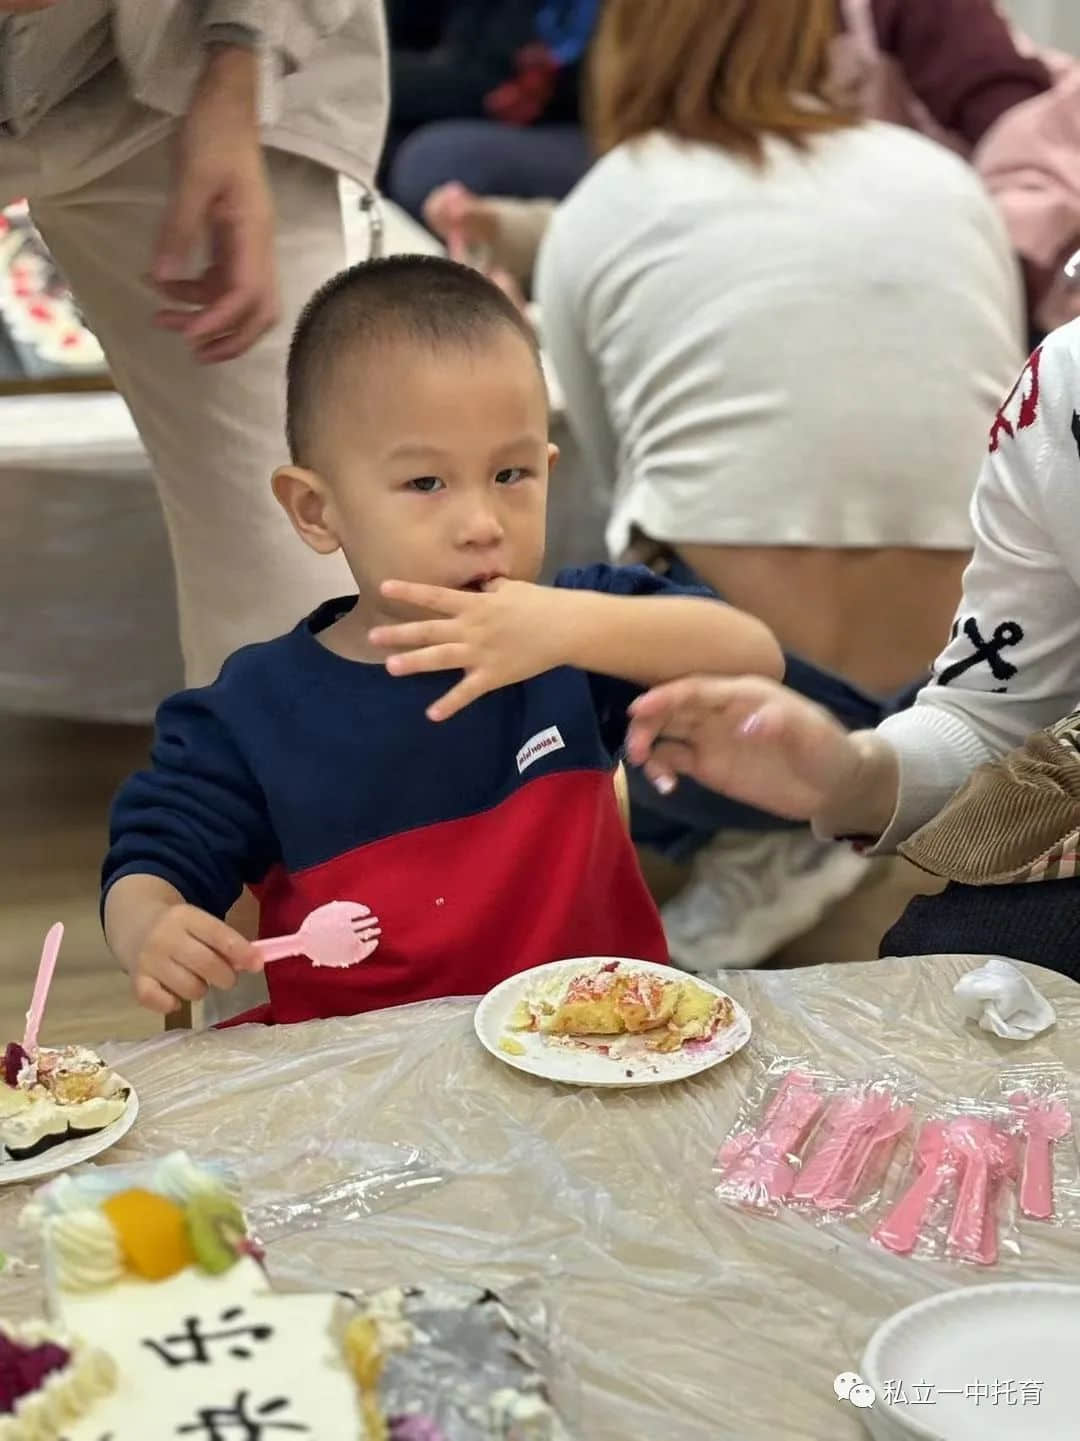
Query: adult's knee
[{"x": 434, "y": 154}]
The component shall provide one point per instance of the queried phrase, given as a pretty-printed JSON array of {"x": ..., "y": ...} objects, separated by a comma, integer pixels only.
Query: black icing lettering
[
  {"x": 195, "y": 1346},
  {"x": 239, "y": 1422}
]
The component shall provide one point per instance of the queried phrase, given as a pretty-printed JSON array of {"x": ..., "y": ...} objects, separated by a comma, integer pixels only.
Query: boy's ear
[
  {"x": 302, "y": 494},
  {"x": 553, "y": 457}
]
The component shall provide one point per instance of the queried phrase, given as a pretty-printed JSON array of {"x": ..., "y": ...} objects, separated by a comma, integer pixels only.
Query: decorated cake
[
  {"x": 619, "y": 999},
  {"x": 157, "y": 1264},
  {"x": 48, "y": 1096}
]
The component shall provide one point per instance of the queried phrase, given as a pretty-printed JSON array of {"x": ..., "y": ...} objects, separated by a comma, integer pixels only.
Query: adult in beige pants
[
  {"x": 181, "y": 159},
  {"x": 121, "y": 173}
]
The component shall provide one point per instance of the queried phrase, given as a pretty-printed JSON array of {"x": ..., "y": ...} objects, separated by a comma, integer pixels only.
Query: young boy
[
  {"x": 438, "y": 747},
  {"x": 978, "y": 783}
]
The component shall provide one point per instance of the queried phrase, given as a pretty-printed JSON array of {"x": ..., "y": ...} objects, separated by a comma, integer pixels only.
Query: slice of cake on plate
[
  {"x": 616, "y": 998},
  {"x": 55, "y": 1095}
]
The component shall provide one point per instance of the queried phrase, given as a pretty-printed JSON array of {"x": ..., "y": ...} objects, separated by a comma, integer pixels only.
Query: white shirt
[
  {"x": 1013, "y": 666},
  {"x": 803, "y": 354}
]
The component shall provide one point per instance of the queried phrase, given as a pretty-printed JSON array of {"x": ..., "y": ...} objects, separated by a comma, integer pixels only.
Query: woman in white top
[{"x": 782, "y": 334}]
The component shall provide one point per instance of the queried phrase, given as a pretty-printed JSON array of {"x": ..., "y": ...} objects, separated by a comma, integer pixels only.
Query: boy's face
[{"x": 434, "y": 466}]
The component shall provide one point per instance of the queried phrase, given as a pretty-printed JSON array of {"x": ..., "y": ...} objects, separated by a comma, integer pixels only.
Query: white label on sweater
[{"x": 539, "y": 745}]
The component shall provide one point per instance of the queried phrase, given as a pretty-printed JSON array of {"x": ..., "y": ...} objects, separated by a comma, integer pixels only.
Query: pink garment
[
  {"x": 1029, "y": 158},
  {"x": 1030, "y": 161}
]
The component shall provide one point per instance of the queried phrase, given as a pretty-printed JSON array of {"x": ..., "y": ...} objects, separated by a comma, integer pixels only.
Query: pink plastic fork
[
  {"x": 341, "y": 933},
  {"x": 1045, "y": 1122}
]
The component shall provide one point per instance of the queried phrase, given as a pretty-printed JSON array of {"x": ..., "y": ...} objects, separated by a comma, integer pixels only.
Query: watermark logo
[{"x": 850, "y": 1386}]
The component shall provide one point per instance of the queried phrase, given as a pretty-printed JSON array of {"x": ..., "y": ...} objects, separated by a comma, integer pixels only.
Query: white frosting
[
  {"x": 178, "y": 1177},
  {"x": 85, "y": 1250},
  {"x": 299, "y": 1361},
  {"x": 66, "y": 1395}
]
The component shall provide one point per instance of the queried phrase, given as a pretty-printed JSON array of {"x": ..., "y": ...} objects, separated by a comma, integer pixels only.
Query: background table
[{"x": 681, "y": 1319}]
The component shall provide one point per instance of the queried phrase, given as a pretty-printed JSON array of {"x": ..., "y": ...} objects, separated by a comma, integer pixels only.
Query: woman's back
[{"x": 808, "y": 353}]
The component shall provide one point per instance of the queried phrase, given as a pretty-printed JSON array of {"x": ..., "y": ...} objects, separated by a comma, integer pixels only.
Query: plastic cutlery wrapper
[{"x": 945, "y": 1180}]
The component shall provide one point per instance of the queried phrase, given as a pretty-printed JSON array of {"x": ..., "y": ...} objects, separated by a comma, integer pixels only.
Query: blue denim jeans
[
  {"x": 678, "y": 825},
  {"x": 528, "y": 162}
]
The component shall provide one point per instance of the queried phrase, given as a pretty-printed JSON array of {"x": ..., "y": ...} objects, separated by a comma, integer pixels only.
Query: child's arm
[
  {"x": 514, "y": 630},
  {"x": 186, "y": 835},
  {"x": 171, "y": 951},
  {"x": 1012, "y": 666}
]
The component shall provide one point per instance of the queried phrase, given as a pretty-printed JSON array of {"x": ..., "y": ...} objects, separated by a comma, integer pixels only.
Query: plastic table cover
[{"x": 674, "y": 1318}]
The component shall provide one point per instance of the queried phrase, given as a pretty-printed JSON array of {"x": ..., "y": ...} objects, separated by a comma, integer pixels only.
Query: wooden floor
[{"x": 56, "y": 781}]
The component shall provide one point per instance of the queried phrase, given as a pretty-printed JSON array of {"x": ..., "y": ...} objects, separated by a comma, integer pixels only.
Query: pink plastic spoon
[
  {"x": 46, "y": 967},
  {"x": 341, "y": 933}
]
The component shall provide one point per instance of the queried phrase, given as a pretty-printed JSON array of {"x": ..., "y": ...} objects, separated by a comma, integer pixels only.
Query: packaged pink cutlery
[
  {"x": 1038, "y": 1098},
  {"x": 957, "y": 1200},
  {"x": 758, "y": 1164}
]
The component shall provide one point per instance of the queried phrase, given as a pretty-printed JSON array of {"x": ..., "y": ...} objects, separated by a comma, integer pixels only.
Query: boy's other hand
[
  {"x": 751, "y": 739},
  {"x": 507, "y": 632},
  {"x": 185, "y": 953}
]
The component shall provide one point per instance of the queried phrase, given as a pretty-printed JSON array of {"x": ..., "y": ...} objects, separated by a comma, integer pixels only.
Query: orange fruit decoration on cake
[{"x": 153, "y": 1233}]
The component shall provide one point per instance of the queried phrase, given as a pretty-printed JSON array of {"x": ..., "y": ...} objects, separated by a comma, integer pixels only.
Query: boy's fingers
[
  {"x": 428, "y": 597},
  {"x": 180, "y": 981},
  {"x": 153, "y": 996},
  {"x": 457, "y": 698},
  {"x": 412, "y": 635},
  {"x": 196, "y": 956},
  {"x": 221, "y": 938},
  {"x": 435, "y": 657}
]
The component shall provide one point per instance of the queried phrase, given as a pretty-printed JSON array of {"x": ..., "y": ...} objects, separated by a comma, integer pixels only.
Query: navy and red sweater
[{"x": 484, "y": 844}]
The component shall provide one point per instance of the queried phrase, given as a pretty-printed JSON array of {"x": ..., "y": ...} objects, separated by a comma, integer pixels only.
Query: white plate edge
[{"x": 38, "y": 1168}]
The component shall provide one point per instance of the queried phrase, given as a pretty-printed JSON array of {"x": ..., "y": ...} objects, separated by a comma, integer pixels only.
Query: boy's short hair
[{"x": 419, "y": 298}]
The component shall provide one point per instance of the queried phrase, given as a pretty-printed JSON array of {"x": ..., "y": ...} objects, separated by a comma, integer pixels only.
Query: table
[{"x": 682, "y": 1320}]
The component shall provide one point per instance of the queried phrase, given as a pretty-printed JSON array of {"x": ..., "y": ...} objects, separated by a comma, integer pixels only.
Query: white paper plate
[
  {"x": 590, "y": 1066},
  {"x": 1016, "y": 1332},
  {"x": 71, "y": 1153}
]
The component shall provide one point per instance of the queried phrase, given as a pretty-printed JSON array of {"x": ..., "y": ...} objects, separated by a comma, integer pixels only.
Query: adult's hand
[{"x": 221, "y": 205}]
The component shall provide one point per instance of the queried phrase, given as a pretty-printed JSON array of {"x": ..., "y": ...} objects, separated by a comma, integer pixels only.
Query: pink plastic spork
[
  {"x": 341, "y": 933},
  {"x": 763, "y": 1164},
  {"x": 1045, "y": 1122},
  {"x": 899, "y": 1231}
]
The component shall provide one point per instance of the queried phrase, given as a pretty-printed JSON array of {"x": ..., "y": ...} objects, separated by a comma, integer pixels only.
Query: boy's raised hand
[
  {"x": 186, "y": 952},
  {"x": 507, "y": 632},
  {"x": 751, "y": 739}
]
